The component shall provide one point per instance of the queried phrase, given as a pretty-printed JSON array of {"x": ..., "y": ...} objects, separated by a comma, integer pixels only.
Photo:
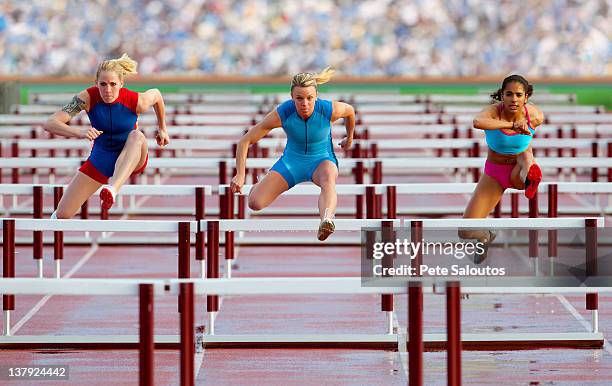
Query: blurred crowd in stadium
[{"x": 268, "y": 37}]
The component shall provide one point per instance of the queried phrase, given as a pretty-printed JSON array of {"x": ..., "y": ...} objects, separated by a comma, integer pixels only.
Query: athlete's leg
[
  {"x": 325, "y": 176},
  {"x": 486, "y": 195},
  {"x": 80, "y": 189},
  {"x": 527, "y": 175},
  {"x": 524, "y": 161},
  {"x": 132, "y": 157},
  {"x": 267, "y": 190},
  {"x": 515, "y": 177}
]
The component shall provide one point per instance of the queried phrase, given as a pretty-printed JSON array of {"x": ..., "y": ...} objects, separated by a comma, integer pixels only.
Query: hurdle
[
  {"x": 453, "y": 340},
  {"x": 186, "y": 290},
  {"x": 393, "y": 190},
  {"x": 198, "y": 193},
  {"x": 183, "y": 229},
  {"x": 145, "y": 342},
  {"x": 390, "y": 190},
  {"x": 392, "y": 166},
  {"x": 589, "y": 225},
  {"x": 214, "y": 227},
  {"x": 131, "y": 191}
]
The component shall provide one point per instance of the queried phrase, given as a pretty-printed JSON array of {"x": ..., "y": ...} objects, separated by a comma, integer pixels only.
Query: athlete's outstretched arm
[
  {"x": 255, "y": 133},
  {"x": 57, "y": 123},
  {"x": 153, "y": 97},
  {"x": 487, "y": 120},
  {"x": 346, "y": 111}
]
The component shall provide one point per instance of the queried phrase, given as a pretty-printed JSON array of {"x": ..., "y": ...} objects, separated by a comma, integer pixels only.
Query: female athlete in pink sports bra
[{"x": 509, "y": 127}]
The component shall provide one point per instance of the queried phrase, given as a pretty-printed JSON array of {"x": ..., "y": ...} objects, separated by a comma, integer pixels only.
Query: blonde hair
[
  {"x": 121, "y": 66},
  {"x": 307, "y": 79}
]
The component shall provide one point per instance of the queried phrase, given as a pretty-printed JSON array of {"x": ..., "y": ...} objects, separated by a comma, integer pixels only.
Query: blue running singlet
[{"x": 309, "y": 141}]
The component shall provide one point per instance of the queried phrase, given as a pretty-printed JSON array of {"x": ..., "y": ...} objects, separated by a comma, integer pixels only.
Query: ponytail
[
  {"x": 121, "y": 66},
  {"x": 307, "y": 79}
]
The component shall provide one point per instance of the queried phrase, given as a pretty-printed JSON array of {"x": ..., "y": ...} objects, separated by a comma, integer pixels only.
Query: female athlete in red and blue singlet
[{"x": 119, "y": 148}]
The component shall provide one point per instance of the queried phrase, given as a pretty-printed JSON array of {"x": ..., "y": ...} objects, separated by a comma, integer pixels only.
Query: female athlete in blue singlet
[
  {"x": 308, "y": 155},
  {"x": 509, "y": 127},
  {"x": 119, "y": 147}
]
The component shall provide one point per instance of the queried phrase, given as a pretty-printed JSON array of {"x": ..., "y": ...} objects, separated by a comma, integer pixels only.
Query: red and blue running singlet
[{"x": 116, "y": 120}]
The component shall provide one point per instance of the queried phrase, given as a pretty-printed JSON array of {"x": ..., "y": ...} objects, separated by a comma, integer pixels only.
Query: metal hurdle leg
[
  {"x": 37, "y": 236},
  {"x": 594, "y": 321},
  {"x": 184, "y": 250},
  {"x": 534, "y": 236},
  {"x": 199, "y": 215},
  {"x": 187, "y": 335},
  {"x": 211, "y": 322},
  {"x": 146, "y": 335},
  {"x": 415, "y": 334},
  {"x": 552, "y": 233},
  {"x": 388, "y": 235},
  {"x": 592, "y": 299},
  {"x": 453, "y": 334},
  {"x": 58, "y": 236},
  {"x": 212, "y": 272},
  {"x": 8, "y": 271},
  {"x": 6, "y": 331}
]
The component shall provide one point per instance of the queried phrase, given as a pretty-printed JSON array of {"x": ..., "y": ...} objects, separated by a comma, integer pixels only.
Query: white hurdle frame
[
  {"x": 275, "y": 286},
  {"x": 201, "y": 163},
  {"x": 341, "y": 224},
  {"x": 305, "y": 190},
  {"x": 148, "y": 226}
]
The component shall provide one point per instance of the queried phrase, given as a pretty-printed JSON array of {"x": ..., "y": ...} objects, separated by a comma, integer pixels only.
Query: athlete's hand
[
  {"x": 90, "y": 133},
  {"x": 237, "y": 183},
  {"x": 521, "y": 127},
  {"x": 346, "y": 143},
  {"x": 162, "y": 138}
]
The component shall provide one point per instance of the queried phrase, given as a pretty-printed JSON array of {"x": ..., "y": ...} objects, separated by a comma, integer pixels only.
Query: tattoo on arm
[{"x": 75, "y": 106}]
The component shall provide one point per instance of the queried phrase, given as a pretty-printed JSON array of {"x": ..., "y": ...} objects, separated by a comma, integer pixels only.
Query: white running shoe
[{"x": 326, "y": 228}]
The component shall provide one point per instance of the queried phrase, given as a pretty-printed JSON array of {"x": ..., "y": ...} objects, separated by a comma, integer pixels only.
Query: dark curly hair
[{"x": 497, "y": 96}]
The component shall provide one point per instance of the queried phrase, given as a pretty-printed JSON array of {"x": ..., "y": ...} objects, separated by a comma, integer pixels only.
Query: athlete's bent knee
[
  {"x": 327, "y": 178},
  {"x": 255, "y": 203},
  {"x": 137, "y": 136}
]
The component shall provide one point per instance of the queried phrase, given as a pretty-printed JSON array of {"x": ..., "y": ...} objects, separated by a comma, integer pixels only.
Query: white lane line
[
  {"x": 583, "y": 201},
  {"x": 587, "y": 325},
  {"x": 569, "y": 307},
  {"x": 199, "y": 357},
  {"x": 46, "y": 298}
]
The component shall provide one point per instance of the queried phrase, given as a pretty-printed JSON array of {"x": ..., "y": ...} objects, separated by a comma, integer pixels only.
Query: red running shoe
[
  {"x": 107, "y": 196},
  {"x": 534, "y": 177}
]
